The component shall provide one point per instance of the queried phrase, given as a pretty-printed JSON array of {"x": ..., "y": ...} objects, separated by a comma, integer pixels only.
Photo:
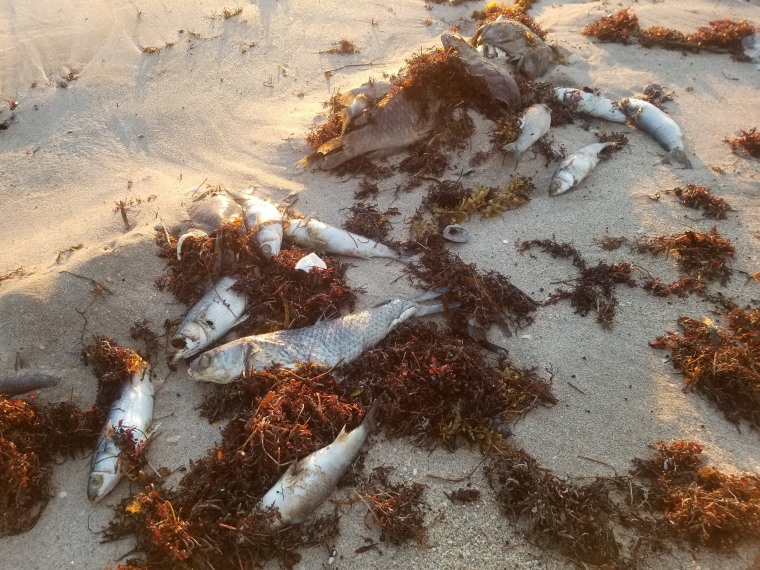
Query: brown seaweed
[
  {"x": 700, "y": 198},
  {"x": 369, "y": 221},
  {"x": 748, "y": 142},
  {"x": 516, "y": 12},
  {"x": 617, "y": 27}
]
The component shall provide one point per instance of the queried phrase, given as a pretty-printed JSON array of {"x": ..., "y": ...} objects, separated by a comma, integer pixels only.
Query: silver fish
[
  {"x": 307, "y": 483},
  {"x": 132, "y": 411},
  {"x": 310, "y": 233},
  {"x": 534, "y": 124},
  {"x": 575, "y": 168},
  {"x": 659, "y": 126},
  {"x": 23, "y": 382},
  {"x": 263, "y": 217},
  {"x": 208, "y": 215},
  {"x": 590, "y": 104},
  {"x": 501, "y": 85},
  {"x": 328, "y": 342},
  {"x": 210, "y": 319}
]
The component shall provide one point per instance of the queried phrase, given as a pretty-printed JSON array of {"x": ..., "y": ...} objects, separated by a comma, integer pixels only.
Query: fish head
[
  {"x": 189, "y": 339},
  {"x": 100, "y": 484},
  {"x": 270, "y": 239},
  {"x": 454, "y": 40},
  {"x": 222, "y": 364},
  {"x": 561, "y": 183}
]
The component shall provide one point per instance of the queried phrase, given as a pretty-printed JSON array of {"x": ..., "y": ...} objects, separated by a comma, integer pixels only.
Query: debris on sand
[
  {"x": 344, "y": 47},
  {"x": 617, "y": 27},
  {"x": 700, "y": 198},
  {"x": 748, "y": 142},
  {"x": 369, "y": 221},
  {"x": 516, "y": 12}
]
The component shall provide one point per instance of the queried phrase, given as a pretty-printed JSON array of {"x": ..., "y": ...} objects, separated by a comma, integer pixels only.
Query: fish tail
[
  {"x": 307, "y": 161},
  {"x": 371, "y": 418},
  {"x": 511, "y": 149},
  {"x": 678, "y": 156}
]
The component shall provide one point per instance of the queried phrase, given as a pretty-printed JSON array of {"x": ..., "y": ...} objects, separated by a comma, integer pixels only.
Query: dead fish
[
  {"x": 327, "y": 342},
  {"x": 456, "y": 233},
  {"x": 132, "y": 412},
  {"x": 23, "y": 382},
  {"x": 659, "y": 126},
  {"x": 534, "y": 124},
  {"x": 530, "y": 53},
  {"x": 359, "y": 99},
  {"x": 575, "y": 168},
  {"x": 210, "y": 319},
  {"x": 395, "y": 123},
  {"x": 310, "y": 233},
  {"x": 501, "y": 85},
  {"x": 590, "y": 104},
  {"x": 306, "y": 484},
  {"x": 208, "y": 215},
  {"x": 262, "y": 217}
]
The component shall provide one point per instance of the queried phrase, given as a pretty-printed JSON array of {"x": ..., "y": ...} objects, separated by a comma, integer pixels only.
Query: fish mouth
[{"x": 94, "y": 486}]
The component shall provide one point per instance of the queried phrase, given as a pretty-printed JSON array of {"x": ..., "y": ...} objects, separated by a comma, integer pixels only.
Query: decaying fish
[
  {"x": 263, "y": 217},
  {"x": 530, "y": 53},
  {"x": 310, "y": 233},
  {"x": 23, "y": 382},
  {"x": 359, "y": 99},
  {"x": 208, "y": 215},
  {"x": 534, "y": 124},
  {"x": 131, "y": 414},
  {"x": 327, "y": 342},
  {"x": 575, "y": 168},
  {"x": 590, "y": 104},
  {"x": 659, "y": 126},
  {"x": 501, "y": 85},
  {"x": 395, "y": 123},
  {"x": 307, "y": 483},
  {"x": 210, "y": 319}
]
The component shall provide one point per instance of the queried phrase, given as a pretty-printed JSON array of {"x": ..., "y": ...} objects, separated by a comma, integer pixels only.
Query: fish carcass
[
  {"x": 575, "y": 168},
  {"x": 23, "y": 382},
  {"x": 208, "y": 215},
  {"x": 359, "y": 99},
  {"x": 307, "y": 483},
  {"x": 591, "y": 104},
  {"x": 659, "y": 126},
  {"x": 130, "y": 415},
  {"x": 263, "y": 217},
  {"x": 534, "y": 124},
  {"x": 329, "y": 342},
  {"x": 218, "y": 311}
]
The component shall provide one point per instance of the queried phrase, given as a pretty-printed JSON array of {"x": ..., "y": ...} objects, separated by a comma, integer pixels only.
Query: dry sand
[{"x": 99, "y": 121}]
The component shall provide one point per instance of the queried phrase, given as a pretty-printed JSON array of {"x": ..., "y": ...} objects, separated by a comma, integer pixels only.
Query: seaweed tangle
[
  {"x": 700, "y": 198},
  {"x": 517, "y": 12},
  {"x": 748, "y": 142},
  {"x": 367, "y": 220}
]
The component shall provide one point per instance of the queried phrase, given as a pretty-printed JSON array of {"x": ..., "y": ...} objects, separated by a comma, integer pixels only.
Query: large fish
[
  {"x": 208, "y": 215},
  {"x": 359, "y": 99},
  {"x": 310, "y": 233},
  {"x": 590, "y": 104},
  {"x": 534, "y": 124},
  {"x": 307, "y": 483},
  {"x": 659, "y": 126},
  {"x": 575, "y": 168},
  {"x": 501, "y": 85},
  {"x": 263, "y": 217},
  {"x": 132, "y": 412},
  {"x": 327, "y": 342},
  {"x": 210, "y": 319},
  {"x": 22, "y": 382}
]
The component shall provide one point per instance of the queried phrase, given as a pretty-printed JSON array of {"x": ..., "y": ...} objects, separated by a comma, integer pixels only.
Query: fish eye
[
  {"x": 203, "y": 362},
  {"x": 178, "y": 342}
]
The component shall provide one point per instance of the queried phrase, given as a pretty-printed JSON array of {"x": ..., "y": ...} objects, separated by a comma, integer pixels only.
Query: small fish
[
  {"x": 328, "y": 342},
  {"x": 659, "y": 126},
  {"x": 534, "y": 124},
  {"x": 263, "y": 217},
  {"x": 210, "y": 319},
  {"x": 310, "y": 233},
  {"x": 132, "y": 411},
  {"x": 590, "y": 104},
  {"x": 208, "y": 215},
  {"x": 307, "y": 483},
  {"x": 575, "y": 168},
  {"x": 23, "y": 382},
  {"x": 501, "y": 85}
]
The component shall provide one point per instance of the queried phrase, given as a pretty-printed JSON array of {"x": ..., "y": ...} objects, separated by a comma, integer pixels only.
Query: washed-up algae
[
  {"x": 747, "y": 142},
  {"x": 516, "y": 12},
  {"x": 369, "y": 221},
  {"x": 700, "y": 198}
]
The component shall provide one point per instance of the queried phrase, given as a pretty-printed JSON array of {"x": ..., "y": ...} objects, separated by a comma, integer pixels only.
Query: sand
[{"x": 100, "y": 121}]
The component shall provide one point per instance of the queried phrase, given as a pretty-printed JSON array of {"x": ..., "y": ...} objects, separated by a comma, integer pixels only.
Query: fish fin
[
  {"x": 371, "y": 418},
  {"x": 343, "y": 433},
  {"x": 332, "y": 145},
  {"x": 678, "y": 156},
  {"x": 335, "y": 159},
  {"x": 240, "y": 319},
  {"x": 511, "y": 150}
]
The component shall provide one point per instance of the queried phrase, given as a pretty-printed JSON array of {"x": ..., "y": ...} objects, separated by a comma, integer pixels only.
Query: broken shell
[{"x": 456, "y": 233}]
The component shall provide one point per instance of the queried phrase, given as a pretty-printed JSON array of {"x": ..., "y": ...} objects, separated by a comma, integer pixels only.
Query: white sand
[{"x": 216, "y": 110}]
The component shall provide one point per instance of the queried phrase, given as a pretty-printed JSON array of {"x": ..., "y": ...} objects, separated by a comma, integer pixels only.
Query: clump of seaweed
[
  {"x": 464, "y": 495},
  {"x": 369, "y": 221},
  {"x": 747, "y": 142},
  {"x": 700, "y": 198},
  {"x": 331, "y": 127},
  {"x": 721, "y": 363},
  {"x": 619, "y": 140},
  {"x": 517, "y": 12},
  {"x": 112, "y": 365},
  {"x": 344, "y": 47},
  {"x": 505, "y": 130},
  {"x": 663, "y": 37},
  {"x": 722, "y": 34},
  {"x": 534, "y": 92},
  {"x": 551, "y": 149},
  {"x": 617, "y": 27}
]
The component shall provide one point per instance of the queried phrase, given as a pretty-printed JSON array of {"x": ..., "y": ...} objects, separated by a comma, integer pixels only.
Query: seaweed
[
  {"x": 534, "y": 92},
  {"x": 369, "y": 221},
  {"x": 663, "y": 37},
  {"x": 617, "y": 27},
  {"x": 720, "y": 363},
  {"x": 344, "y": 47},
  {"x": 619, "y": 140},
  {"x": 700, "y": 198},
  {"x": 505, "y": 130},
  {"x": 610, "y": 243},
  {"x": 112, "y": 365},
  {"x": 464, "y": 495},
  {"x": 551, "y": 149},
  {"x": 722, "y": 34},
  {"x": 748, "y": 142},
  {"x": 331, "y": 127},
  {"x": 516, "y": 12}
]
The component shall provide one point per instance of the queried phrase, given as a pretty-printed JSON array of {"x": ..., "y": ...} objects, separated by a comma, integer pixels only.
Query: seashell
[{"x": 456, "y": 233}]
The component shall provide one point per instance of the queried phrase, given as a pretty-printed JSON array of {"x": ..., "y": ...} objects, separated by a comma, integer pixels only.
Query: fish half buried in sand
[
  {"x": 208, "y": 215},
  {"x": 534, "y": 124},
  {"x": 501, "y": 85},
  {"x": 210, "y": 319},
  {"x": 329, "y": 342},
  {"x": 591, "y": 104},
  {"x": 23, "y": 382},
  {"x": 575, "y": 168},
  {"x": 264, "y": 218},
  {"x": 132, "y": 415},
  {"x": 307, "y": 483},
  {"x": 659, "y": 126},
  {"x": 310, "y": 233}
]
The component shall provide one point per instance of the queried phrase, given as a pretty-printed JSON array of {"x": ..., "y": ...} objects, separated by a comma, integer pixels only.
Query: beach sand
[{"x": 99, "y": 121}]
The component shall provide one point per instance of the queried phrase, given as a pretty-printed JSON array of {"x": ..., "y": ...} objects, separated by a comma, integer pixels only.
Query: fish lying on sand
[
  {"x": 328, "y": 342},
  {"x": 659, "y": 126},
  {"x": 575, "y": 168},
  {"x": 501, "y": 85},
  {"x": 208, "y": 215},
  {"x": 262, "y": 217},
  {"x": 534, "y": 124},
  {"x": 131, "y": 413},
  {"x": 310, "y": 233},
  {"x": 23, "y": 382},
  {"x": 590, "y": 104},
  {"x": 359, "y": 99},
  {"x": 210, "y": 319},
  {"x": 307, "y": 483}
]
